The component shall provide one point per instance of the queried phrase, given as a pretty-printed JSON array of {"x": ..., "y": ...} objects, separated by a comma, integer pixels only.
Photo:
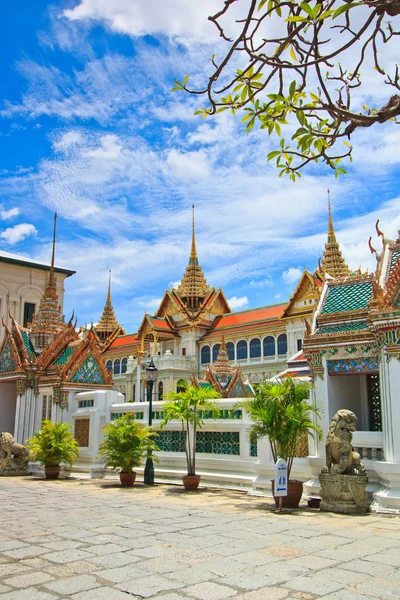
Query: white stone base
[{"x": 387, "y": 498}]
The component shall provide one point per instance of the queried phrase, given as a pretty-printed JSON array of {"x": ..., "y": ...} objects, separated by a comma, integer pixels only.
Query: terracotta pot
[
  {"x": 292, "y": 500},
  {"x": 52, "y": 472},
  {"x": 127, "y": 479},
  {"x": 191, "y": 482}
]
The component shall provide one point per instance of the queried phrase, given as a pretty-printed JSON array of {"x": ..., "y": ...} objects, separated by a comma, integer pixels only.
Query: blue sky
[{"x": 90, "y": 128}]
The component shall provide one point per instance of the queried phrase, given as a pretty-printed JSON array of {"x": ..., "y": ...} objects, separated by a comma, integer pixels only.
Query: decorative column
[{"x": 387, "y": 498}]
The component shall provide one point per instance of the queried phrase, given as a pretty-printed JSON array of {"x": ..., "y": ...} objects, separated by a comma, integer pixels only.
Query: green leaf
[
  {"x": 296, "y": 19},
  {"x": 344, "y": 8},
  {"x": 186, "y": 80},
  {"x": 307, "y": 8},
  {"x": 292, "y": 89},
  {"x": 292, "y": 54},
  {"x": 261, "y": 4},
  {"x": 301, "y": 117},
  {"x": 325, "y": 15},
  {"x": 273, "y": 154}
]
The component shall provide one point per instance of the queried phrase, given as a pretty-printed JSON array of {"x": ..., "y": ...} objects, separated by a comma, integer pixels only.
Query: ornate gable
[
  {"x": 9, "y": 359},
  {"x": 169, "y": 306},
  {"x": 307, "y": 289},
  {"x": 86, "y": 364}
]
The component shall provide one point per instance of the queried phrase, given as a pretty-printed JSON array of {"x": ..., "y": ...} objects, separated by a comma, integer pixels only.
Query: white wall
[
  {"x": 347, "y": 391},
  {"x": 20, "y": 284},
  {"x": 7, "y": 407}
]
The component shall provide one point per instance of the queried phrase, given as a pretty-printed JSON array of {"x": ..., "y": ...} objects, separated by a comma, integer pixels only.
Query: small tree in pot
[
  {"x": 282, "y": 413},
  {"x": 186, "y": 407},
  {"x": 126, "y": 446},
  {"x": 52, "y": 445}
]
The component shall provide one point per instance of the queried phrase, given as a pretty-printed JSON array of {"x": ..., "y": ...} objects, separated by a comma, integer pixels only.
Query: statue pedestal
[
  {"x": 344, "y": 494},
  {"x": 16, "y": 466}
]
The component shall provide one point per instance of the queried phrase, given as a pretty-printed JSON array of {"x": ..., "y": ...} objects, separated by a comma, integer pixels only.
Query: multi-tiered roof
[
  {"x": 333, "y": 262},
  {"x": 108, "y": 327}
]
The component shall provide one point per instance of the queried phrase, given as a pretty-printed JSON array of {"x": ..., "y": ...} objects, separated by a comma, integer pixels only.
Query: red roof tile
[
  {"x": 160, "y": 323},
  {"x": 250, "y": 316},
  {"x": 125, "y": 340}
]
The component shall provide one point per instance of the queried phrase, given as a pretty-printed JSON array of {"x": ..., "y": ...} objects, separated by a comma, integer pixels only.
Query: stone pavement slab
[{"x": 91, "y": 540}]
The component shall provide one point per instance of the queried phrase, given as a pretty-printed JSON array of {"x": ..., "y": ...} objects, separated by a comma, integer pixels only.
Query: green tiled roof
[
  {"x": 342, "y": 328},
  {"x": 63, "y": 358},
  {"x": 28, "y": 344},
  {"x": 394, "y": 257},
  {"x": 342, "y": 298}
]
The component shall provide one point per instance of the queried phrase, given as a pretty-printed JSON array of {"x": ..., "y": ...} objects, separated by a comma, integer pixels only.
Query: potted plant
[
  {"x": 186, "y": 407},
  {"x": 126, "y": 445},
  {"x": 281, "y": 411},
  {"x": 53, "y": 445}
]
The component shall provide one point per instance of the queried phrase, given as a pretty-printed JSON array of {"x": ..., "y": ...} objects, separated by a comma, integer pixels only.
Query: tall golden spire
[
  {"x": 333, "y": 262},
  {"x": 108, "y": 322},
  {"x": 48, "y": 320},
  {"x": 193, "y": 287}
]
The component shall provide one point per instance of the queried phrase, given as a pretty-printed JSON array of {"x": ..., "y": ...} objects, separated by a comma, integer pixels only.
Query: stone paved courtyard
[{"x": 91, "y": 540}]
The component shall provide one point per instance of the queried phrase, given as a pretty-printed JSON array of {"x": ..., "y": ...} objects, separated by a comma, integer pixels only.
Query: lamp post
[{"x": 151, "y": 374}]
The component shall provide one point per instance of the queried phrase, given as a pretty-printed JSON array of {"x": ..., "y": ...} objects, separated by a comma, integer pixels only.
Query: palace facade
[{"x": 185, "y": 334}]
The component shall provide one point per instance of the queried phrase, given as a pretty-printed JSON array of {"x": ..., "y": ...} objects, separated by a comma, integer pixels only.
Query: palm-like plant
[
  {"x": 281, "y": 412},
  {"x": 186, "y": 407},
  {"x": 127, "y": 443},
  {"x": 53, "y": 444}
]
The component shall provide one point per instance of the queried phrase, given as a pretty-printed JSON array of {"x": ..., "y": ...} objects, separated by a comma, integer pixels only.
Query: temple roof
[
  {"x": 108, "y": 321},
  {"x": 48, "y": 320},
  {"x": 333, "y": 262},
  {"x": 347, "y": 296},
  {"x": 193, "y": 286}
]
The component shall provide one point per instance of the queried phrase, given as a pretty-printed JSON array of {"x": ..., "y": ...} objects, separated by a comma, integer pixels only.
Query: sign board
[{"x": 280, "y": 485}]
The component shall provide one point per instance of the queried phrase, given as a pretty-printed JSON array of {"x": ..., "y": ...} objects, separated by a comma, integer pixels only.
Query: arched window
[
  {"x": 230, "y": 348},
  {"x": 241, "y": 350},
  {"x": 117, "y": 366},
  {"x": 205, "y": 355},
  {"x": 299, "y": 344},
  {"x": 215, "y": 351},
  {"x": 160, "y": 390},
  {"x": 282, "y": 344},
  {"x": 269, "y": 346},
  {"x": 181, "y": 385},
  {"x": 109, "y": 366},
  {"x": 124, "y": 364},
  {"x": 255, "y": 348}
]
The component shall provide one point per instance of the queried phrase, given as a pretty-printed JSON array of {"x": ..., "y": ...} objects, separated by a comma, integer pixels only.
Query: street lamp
[{"x": 151, "y": 375}]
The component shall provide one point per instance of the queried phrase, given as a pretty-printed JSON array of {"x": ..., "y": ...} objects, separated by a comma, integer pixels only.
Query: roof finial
[
  {"x": 331, "y": 232},
  {"x": 193, "y": 251},
  {"x": 109, "y": 286},
  {"x": 54, "y": 241},
  {"x": 51, "y": 290}
]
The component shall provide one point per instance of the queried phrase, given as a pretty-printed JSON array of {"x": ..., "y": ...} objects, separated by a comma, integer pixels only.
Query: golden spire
[
  {"x": 331, "y": 233},
  {"x": 108, "y": 322},
  {"x": 193, "y": 287},
  {"x": 48, "y": 320},
  {"x": 333, "y": 262},
  {"x": 222, "y": 365}
]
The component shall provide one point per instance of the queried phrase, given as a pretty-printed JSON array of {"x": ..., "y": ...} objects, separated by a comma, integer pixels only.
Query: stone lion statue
[
  {"x": 10, "y": 448},
  {"x": 340, "y": 456}
]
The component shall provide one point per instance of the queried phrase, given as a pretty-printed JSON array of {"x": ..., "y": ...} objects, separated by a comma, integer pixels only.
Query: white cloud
[
  {"x": 292, "y": 274},
  {"x": 13, "y": 235},
  {"x": 110, "y": 148},
  {"x": 236, "y": 303},
  {"x": 8, "y": 214},
  {"x": 189, "y": 165},
  {"x": 175, "y": 18},
  {"x": 259, "y": 283},
  {"x": 66, "y": 140},
  {"x": 150, "y": 305}
]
